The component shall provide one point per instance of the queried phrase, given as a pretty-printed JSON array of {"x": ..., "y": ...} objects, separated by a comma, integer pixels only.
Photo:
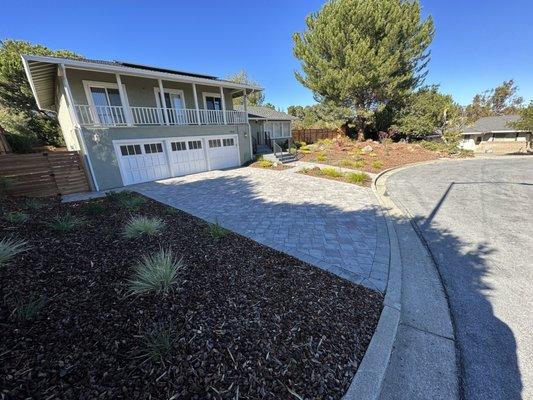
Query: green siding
[{"x": 99, "y": 144}]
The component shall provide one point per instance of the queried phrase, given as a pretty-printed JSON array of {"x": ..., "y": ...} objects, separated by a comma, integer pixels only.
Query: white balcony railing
[{"x": 123, "y": 116}]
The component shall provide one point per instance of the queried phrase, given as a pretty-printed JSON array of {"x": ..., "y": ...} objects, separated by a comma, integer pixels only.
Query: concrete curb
[{"x": 369, "y": 377}]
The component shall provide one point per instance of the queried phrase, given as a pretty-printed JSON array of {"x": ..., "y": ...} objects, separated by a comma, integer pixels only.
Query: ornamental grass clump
[
  {"x": 331, "y": 172},
  {"x": 34, "y": 204},
  {"x": 16, "y": 217},
  {"x": 377, "y": 164},
  {"x": 158, "y": 272},
  {"x": 9, "y": 248},
  {"x": 357, "y": 177},
  {"x": 93, "y": 208},
  {"x": 265, "y": 164},
  {"x": 157, "y": 344},
  {"x": 141, "y": 225},
  {"x": 216, "y": 230},
  {"x": 28, "y": 309},
  {"x": 66, "y": 222}
]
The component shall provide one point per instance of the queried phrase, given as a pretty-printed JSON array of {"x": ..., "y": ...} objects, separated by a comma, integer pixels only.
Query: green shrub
[
  {"x": 66, "y": 222},
  {"x": 34, "y": 204},
  {"x": 26, "y": 310},
  {"x": 141, "y": 225},
  {"x": 157, "y": 272},
  {"x": 377, "y": 164},
  {"x": 16, "y": 217},
  {"x": 357, "y": 177},
  {"x": 216, "y": 231},
  {"x": 93, "y": 208},
  {"x": 324, "y": 142},
  {"x": 21, "y": 143},
  {"x": 265, "y": 164},
  {"x": 357, "y": 164},
  {"x": 157, "y": 344},
  {"x": 321, "y": 157},
  {"x": 172, "y": 211},
  {"x": 433, "y": 146},
  {"x": 5, "y": 185},
  {"x": 9, "y": 248},
  {"x": 332, "y": 172}
]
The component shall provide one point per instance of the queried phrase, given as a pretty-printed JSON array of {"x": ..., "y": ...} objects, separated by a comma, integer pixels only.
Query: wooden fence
[
  {"x": 44, "y": 174},
  {"x": 312, "y": 135}
]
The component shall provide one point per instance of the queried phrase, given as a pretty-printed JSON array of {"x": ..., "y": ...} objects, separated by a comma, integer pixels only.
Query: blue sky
[{"x": 478, "y": 44}]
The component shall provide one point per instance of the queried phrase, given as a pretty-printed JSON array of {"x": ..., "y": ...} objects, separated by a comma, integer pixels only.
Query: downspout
[{"x": 77, "y": 126}]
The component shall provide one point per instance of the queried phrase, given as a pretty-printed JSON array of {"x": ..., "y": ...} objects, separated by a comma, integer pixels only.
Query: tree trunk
[{"x": 360, "y": 129}]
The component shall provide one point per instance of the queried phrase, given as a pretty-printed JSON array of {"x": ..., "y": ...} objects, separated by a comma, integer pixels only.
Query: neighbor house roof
[
  {"x": 42, "y": 73},
  {"x": 258, "y": 112},
  {"x": 493, "y": 124}
]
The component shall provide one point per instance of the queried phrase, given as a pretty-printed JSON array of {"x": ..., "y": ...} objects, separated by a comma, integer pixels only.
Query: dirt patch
[
  {"x": 247, "y": 321},
  {"x": 347, "y": 153}
]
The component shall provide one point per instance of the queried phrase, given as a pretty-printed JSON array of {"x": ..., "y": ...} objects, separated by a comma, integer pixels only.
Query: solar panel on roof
[{"x": 158, "y": 69}]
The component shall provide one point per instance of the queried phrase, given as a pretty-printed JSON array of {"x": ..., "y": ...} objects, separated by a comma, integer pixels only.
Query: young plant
[
  {"x": 93, "y": 208},
  {"x": 377, "y": 164},
  {"x": 5, "y": 185},
  {"x": 34, "y": 204},
  {"x": 158, "y": 272},
  {"x": 332, "y": 172},
  {"x": 321, "y": 157},
  {"x": 16, "y": 217},
  {"x": 265, "y": 163},
  {"x": 141, "y": 225},
  {"x": 66, "y": 222},
  {"x": 216, "y": 230},
  {"x": 26, "y": 310},
  {"x": 9, "y": 248},
  {"x": 157, "y": 344},
  {"x": 357, "y": 177}
]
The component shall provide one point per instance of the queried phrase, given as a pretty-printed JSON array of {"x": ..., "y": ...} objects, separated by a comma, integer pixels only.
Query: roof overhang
[
  {"x": 500, "y": 131},
  {"x": 42, "y": 72}
]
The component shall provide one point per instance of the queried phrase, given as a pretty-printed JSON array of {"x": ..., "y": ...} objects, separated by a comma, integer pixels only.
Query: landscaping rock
[{"x": 367, "y": 149}]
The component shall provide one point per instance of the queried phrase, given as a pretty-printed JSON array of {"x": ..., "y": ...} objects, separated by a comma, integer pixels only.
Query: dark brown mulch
[{"x": 248, "y": 321}]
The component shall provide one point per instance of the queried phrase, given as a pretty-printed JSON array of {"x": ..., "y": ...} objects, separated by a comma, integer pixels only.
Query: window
[
  {"x": 213, "y": 102},
  {"x": 130, "y": 150},
  {"x": 227, "y": 142},
  {"x": 178, "y": 146},
  {"x": 106, "y": 102},
  {"x": 214, "y": 143},
  {"x": 153, "y": 148},
  {"x": 195, "y": 144}
]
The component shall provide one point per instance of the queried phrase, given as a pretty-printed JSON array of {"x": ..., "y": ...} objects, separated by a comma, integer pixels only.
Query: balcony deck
[{"x": 111, "y": 116}]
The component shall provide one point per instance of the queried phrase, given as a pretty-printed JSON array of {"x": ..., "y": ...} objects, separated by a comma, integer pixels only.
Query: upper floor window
[
  {"x": 212, "y": 101},
  {"x": 106, "y": 102}
]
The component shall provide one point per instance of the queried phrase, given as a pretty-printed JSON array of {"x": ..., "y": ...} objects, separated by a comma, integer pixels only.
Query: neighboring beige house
[
  {"x": 135, "y": 123},
  {"x": 496, "y": 135}
]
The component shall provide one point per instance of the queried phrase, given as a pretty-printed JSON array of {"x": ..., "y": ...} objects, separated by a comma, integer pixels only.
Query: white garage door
[
  {"x": 223, "y": 152},
  {"x": 187, "y": 156},
  {"x": 143, "y": 162},
  {"x": 163, "y": 158}
]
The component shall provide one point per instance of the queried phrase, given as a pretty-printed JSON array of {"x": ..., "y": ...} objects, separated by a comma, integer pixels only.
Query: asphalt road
[{"x": 477, "y": 219}]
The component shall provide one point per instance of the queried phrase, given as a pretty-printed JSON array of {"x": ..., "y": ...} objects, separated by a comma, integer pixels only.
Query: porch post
[
  {"x": 124, "y": 101},
  {"x": 248, "y": 127},
  {"x": 162, "y": 100},
  {"x": 223, "y": 105},
  {"x": 195, "y": 95}
]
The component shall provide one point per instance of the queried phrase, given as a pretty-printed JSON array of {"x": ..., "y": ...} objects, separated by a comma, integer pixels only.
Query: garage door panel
[
  {"x": 223, "y": 152},
  {"x": 143, "y": 162}
]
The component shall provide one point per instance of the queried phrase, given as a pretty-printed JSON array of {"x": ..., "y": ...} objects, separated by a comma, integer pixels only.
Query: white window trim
[
  {"x": 170, "y": 91},
  {"x": 87, "y": 85},
  {"x": 205, "y": 95}
]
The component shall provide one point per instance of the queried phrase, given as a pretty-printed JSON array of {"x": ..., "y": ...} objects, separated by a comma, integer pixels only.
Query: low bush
[
  {"x": 66, "y": 222},
  {"x": 357, "y": 177},
  {"x": 357, "y": 164},
  {"x": 377, "y": 164},
  {"x": 9, "y": 248},
  {"x": 331, "y": 172},
  {"x": 265, "y": 164},
  {"x": 433, "y": 145},
  {"x": 306, "y": 149},
  {"x": 216, "y": 230},
  {"x": 27, "y": 309},
  {"x": 93, "y": 208},
  {"x": 34, "y": 204},
  {"x": 158, "y": 272},
  {"x": 157, "y": 344},
  {"x": 141, "y": 225},
  {"x": 16, "y": 217},
  {"x": 321, "y": 157}
]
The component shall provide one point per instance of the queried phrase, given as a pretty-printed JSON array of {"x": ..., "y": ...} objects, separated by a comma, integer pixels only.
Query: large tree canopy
[
  {"x": 363, "y": 54},
  {"x": 426, "y": 112},
  {"x": 526, "y": 118},
  {"x": 501, "y": 100},
  {"x": 18, "y": 110},
  {"x": 254, "y": 99}
]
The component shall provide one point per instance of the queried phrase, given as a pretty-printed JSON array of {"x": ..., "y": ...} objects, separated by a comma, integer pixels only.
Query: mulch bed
[
  {"x": 247, "y": 321},
  {"x": 389, "y": 155}
]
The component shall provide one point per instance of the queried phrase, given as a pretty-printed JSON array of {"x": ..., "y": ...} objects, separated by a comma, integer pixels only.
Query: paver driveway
[
  {"x": 477, "y": 219},
  {"x": 333, "y": 225}
]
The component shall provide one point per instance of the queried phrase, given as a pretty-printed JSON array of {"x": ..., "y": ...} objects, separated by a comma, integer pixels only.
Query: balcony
[{"x": 110, "y": 116}]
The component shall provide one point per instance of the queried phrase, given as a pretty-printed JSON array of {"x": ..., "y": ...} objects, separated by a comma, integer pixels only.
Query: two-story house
[{"x": 134, "y": 123}]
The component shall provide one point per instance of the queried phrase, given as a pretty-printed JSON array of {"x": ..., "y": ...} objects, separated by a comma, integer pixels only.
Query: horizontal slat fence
[
  {"x": 44, "y": 174},
  {"x": 312, "y": 135}
]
